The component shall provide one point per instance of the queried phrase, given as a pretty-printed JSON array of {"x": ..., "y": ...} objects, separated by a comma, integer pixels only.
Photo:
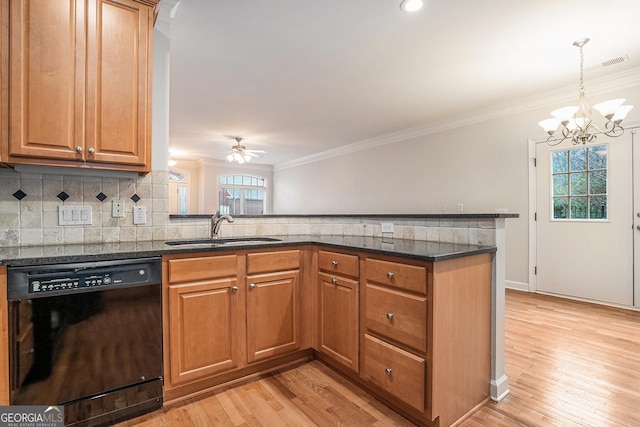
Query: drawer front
[
  {"x": 333, "y": 262},
  {"x": 265, "y": 262},
  {"x": 202, "y": 268},
  {"x": 410, "y": 277},
  {"x": 400, "y": 373},
  {"x": 397, "y": 315}
]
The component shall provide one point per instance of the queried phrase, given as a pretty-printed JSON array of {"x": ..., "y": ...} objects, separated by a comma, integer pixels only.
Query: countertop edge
[{"x": 397, "y": 248}]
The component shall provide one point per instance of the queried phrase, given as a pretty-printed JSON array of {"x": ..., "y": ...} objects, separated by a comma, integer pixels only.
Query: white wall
[{"x": 482, "y": 165}]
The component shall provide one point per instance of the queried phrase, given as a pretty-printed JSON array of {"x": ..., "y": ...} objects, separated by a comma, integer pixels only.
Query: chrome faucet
[{"x": 216, "y": 222}]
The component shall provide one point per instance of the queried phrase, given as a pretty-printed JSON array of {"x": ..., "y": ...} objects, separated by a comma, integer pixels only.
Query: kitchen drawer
[
  {"x": 397, "y": 315},
  {"x": 400, "y": 373},
  {"x": 265, "y": 262},
  {"x": 404, "y": 276},
  {"x": 333, "y": 262},
  {"x": 202, "y": 268}
]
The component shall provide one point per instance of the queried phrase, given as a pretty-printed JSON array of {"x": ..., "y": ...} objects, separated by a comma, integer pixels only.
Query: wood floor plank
[{"x": 569, "y": 363}]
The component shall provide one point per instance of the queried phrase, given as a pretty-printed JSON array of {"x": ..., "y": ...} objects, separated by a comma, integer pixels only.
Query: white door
[
  {"x": 584, "y": 236},
  {"x": 636, "y": 215}
]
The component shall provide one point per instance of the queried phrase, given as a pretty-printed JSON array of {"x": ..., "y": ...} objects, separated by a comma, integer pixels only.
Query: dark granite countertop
[{"x": 411, "y": 249}]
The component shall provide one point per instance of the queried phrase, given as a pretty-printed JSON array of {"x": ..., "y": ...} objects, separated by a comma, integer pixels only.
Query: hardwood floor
[{"x": 569, "y": 363}]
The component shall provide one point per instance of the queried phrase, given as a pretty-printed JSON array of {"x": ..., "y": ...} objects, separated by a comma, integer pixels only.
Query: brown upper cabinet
[{"x": 80, "y": 83}]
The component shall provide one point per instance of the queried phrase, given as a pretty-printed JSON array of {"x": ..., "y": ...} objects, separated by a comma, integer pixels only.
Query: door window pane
[
  {"x": 561, "y": 207},
  {"x": 577, "y": 159},
  {"x": 580, "y": 174},
  {"x": 578, "y": 184},
  {"x": 578, "y": 207},
  {"x": 561, "y": 185},
  {"x": 598, "y": 157},
  {"x": 560, "y": 161}
]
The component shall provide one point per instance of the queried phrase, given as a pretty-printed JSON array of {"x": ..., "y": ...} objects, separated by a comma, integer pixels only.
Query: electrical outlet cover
[{"x": 387, "y": 227}]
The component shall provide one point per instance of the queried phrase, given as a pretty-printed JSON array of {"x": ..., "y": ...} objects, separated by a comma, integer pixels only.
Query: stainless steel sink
[{"x": 219, "y": 242}]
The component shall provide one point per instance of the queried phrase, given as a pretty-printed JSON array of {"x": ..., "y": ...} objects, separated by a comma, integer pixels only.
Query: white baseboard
[
  {"x": 518, "y": 286},
  {"x": 499, "y": 388}
]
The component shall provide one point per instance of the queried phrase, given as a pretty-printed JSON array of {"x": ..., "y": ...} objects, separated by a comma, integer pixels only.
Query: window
[
  {"x": 579, "y": 183},
  {"x": 241, "y": 194}
]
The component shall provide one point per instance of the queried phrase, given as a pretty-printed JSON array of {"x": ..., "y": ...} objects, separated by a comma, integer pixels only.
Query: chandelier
[{"x": 575, "y": 122}]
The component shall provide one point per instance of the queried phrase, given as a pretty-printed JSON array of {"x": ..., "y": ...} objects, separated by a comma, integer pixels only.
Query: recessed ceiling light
[{"x": 411, "y": 5}]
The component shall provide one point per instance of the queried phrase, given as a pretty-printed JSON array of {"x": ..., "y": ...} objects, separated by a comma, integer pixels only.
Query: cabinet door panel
[
  {"x": 204, "y": 327},
  {"x": 272, "y": 315},
  {"x": 46, "y": 80},
  {"x": 118, "y": 82},
  {"x": 339, "y": 319}
]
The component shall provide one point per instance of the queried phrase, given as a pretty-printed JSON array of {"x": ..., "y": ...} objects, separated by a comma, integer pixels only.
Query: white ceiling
[{"x": 299, "y": 77}]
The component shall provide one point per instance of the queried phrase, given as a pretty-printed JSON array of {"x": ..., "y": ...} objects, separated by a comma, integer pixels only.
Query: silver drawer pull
[
  {"x": 91, "y": 150},
  {"x": 234, "y": 289},
  {"x": 334, "y": 263},
  {"x": 334, "y": 280},
  {"x": 388, "y": 371},
  {"x": 252, "y": 286},
  {"x": 390, "y": 275},
  {"x": 78, "y": 149},
  {"x": 390, "y": 316}
]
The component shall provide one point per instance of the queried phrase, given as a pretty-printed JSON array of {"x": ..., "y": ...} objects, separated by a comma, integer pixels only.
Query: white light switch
[{"x": 74, "y": 215}]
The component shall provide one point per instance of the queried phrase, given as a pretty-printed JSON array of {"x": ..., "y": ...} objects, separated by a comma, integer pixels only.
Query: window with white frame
[
  {"x": 242, "y": 195},
  {"x": 579, "y": 183}
]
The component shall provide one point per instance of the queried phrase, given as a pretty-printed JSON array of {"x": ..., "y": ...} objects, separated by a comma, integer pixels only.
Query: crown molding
[{"x": 601, "y": 86}]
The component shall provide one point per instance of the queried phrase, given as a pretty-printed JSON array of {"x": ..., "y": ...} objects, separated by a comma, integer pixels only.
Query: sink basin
[{"x": 229, "y": 241}]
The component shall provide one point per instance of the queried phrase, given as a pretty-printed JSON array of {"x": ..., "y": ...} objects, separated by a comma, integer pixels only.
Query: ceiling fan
[{"x": 240, "y": 154}]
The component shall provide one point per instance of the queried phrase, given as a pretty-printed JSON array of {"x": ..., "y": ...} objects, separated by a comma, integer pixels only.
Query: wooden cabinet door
[
  {"x": 272, "y": 314},
  {"x": 339, "y": 319},
  {"x": 118, "y": 123},
  {"x": 80, "y": 82},
  {"x": 204, "y": 326},
  {"x": 46, "y": 79}
]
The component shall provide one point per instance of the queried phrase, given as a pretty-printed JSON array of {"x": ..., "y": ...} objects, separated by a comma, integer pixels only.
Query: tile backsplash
[
  {"x": 29, "y": 215},
  {"x": 29, "y": 208}
]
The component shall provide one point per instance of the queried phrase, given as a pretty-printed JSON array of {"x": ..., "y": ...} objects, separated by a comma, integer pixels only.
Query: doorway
[{"x": 583, "y": 231}]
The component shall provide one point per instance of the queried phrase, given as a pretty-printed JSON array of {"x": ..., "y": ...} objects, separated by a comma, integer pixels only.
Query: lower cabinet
[
  {"x": 204, "y": 315},
  {"x": 204, "y": 321},
  {"x": 338, "y": 307},
  {"x": 226, "y": 312},
  {"x": 426, "y": 336},
  {"x": 272, "y": 315}
]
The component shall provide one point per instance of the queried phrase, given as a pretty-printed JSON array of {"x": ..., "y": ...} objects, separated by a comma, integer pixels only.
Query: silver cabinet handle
[
  {"x": 334, "y": 280},
  {"x": 234, "y": 289},
  {"x": 390, "y": 316},
  {"x": 638, "y": 227},
  {"x": 390, "y": 274},
  {"x": 252, "y": 286},
  {"x": 388, "y": 371},
  {"x": 91, "y": 150},
  {"x": 78, "y": 149},
  {"x": 334, "y": 263}
]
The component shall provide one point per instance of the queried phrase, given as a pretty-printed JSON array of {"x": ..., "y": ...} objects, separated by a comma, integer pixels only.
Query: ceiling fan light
[
  {"x": 230, "y": 157},
  {"x": 172, "y": 163},
  {"x": 411, "y": 5}
]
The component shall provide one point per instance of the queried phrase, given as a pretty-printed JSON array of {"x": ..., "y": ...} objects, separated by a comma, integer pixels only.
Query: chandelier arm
[{"x": 613, "y": 129}]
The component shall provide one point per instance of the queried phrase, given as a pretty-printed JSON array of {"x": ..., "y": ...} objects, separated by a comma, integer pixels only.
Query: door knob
[
  {"x": 252, "y": 286},
  {"x": 234, "y": 289},
  {"x": 78, "y": 149},
  {"x": 334, "y": 281}
]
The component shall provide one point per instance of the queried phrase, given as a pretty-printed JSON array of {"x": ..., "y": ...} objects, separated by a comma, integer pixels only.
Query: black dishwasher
[{"x": 87, "y": 336}]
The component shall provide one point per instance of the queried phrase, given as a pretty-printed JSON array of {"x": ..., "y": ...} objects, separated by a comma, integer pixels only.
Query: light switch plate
[
  {"x": 74, "y": 215},
  {"x": 139, "y": 215},
  {"x": 387, "y": 227}
]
